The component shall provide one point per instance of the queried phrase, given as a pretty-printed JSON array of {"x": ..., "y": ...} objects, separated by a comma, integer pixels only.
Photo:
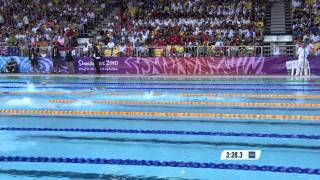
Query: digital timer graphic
[{"x": 240, "y": 155}]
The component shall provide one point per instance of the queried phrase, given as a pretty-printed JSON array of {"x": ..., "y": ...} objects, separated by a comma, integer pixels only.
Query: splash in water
[
  {"x": 81, "y": 103},
  {"x": 149, "y": 95},
  {"x": 31, "y": 87},
  {"x": 20, "y": 102}
]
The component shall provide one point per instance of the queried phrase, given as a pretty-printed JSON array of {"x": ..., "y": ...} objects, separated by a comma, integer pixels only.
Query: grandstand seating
[
  {"x": 160, "y": 23},
  {"x": 189, "y": 23},
  {"x": 148, "y": 27},
  {"x": 44, "y": 21},
  {"x": 306, "y": 20}
]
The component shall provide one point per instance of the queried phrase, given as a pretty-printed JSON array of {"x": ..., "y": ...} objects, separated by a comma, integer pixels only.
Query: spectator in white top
[
  {"x": 219, "y": 43},
  {"x": 110, "y": 45},
  {"x": 86, "y": 50},
  {"x": 26, "y": 22},
  {"x": 122, "y": 49},
  {"x": 296, "y": 3}
]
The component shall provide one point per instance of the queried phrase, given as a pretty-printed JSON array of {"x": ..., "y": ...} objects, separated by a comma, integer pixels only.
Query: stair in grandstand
[
  {"x": 93, "y": 31},
  {"x": 278, "y": 18},
  {"x": 110, "y": 11},
  {"x": 278, "y": 23}
]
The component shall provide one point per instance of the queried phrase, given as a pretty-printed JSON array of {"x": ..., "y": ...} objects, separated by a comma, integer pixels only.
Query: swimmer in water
[
  {"x": 44, "y": 84},
  {"x": 94, "y": 89}
]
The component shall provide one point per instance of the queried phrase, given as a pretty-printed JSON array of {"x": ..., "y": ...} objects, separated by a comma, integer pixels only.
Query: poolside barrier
[
  {"x": 135, "y": 162},
  {"x": 162, "y": 83}
]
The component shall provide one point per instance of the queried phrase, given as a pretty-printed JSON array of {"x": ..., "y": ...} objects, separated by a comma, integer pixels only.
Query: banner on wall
[
  {"x": 46, "y": 65},
  {"x": 170, "y": 65},
  {"x": 196, "y": 66}
]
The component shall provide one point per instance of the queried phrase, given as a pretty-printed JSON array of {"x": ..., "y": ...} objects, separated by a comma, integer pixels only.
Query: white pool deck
[{"x": 163, "y": 76}]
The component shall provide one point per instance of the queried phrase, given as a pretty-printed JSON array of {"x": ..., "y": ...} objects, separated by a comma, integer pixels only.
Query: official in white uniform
[{"x": 303, "y": 63}]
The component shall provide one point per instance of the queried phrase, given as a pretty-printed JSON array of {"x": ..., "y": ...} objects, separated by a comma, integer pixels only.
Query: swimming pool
[{"x": 54, "y": 127}]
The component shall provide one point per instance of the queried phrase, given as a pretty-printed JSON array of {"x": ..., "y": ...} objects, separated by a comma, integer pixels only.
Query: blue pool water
[{"x": 288, "y": 143}]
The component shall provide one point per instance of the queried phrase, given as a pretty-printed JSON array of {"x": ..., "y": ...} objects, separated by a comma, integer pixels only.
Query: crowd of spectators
[
  {"x": 141, "y": 22},
  {"x": 43, "y": 22},
  {"x": 306, "y": 20},
  {"x": 185, "y": 23}
]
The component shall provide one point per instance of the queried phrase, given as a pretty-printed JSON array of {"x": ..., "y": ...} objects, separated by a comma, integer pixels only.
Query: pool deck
[{"x": 161, "y": 75}]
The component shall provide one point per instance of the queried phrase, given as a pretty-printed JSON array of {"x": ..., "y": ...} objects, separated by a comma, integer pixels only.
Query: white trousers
[{"x": 303, "y": 67}]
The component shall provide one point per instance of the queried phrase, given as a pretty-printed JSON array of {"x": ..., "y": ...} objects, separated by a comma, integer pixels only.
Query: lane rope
[
  {"x": 157, "y": 114},
  {"x": 263, "y": 96},
  {"x": 282, "y": 96},
  {"x": 135, "y": 162},
  {"x": 242, "y": 104},
  {"x": 163, "y": 132},
  {"x": 176, "y": 88}
]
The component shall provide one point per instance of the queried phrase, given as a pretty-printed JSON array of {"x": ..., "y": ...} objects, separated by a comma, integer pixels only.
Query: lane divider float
[
  {"x": 156, "y": 93},
  {"x": 156, "y": 114},
  {"x": 163, "y": 132},
  {"x": 135, "y": 162},
  {"x": 241, "y": 104},
  {"x": 277, "y": 96},
  {"x": 172, "y": 88}
]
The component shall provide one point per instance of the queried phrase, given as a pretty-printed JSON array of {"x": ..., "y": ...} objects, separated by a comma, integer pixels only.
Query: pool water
[{"x": 181, "y": 124}]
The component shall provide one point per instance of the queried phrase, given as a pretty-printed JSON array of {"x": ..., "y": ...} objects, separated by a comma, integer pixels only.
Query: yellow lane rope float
[
  {"x": 277, "y": 96},
  {"x": 159, "y": 114},
  {"x": 241, "y": 104}
]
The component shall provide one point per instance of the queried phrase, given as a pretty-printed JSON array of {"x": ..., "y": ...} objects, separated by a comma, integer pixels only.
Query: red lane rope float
[{"x": 159, "y": 114}]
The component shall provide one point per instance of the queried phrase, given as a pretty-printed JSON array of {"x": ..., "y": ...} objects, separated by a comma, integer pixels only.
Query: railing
[{"x": 168, "y": 51}]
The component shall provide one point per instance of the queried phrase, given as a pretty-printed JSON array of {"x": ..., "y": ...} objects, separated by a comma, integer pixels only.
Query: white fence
[{"x": 167, "y": 51}]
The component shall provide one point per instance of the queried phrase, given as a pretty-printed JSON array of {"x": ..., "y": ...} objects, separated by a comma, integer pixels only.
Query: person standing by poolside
[
  {"x": 96, "y": 58},
  {"x": 303, "y": 53},
  {"x": 33, "y": 57},
  {"x": 69, "y": 60},
  {"x": 56, "y": 59}
]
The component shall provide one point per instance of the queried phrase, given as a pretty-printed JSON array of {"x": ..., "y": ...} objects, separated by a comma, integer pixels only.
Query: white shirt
[
  {"x": 303, "y": 53},
  {"x": 296, "y": 3},
  {"x": 86, "y": 48},
  {"x": 110, "y": 45},
  {"x": 218, "y": 43},
  {"x": 25, "y": 20},
  {"x": 122, "y": 49}
]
